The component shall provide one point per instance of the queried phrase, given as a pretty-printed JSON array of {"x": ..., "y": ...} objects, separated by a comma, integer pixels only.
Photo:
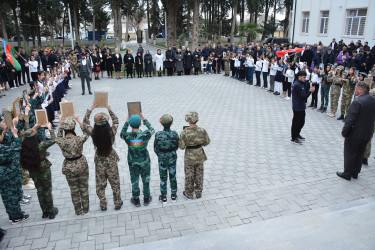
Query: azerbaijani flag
[
  {"x": 9, "y": 52},
  {"x": 136, "y": 143},
  {"x": 284, "y": 52}
]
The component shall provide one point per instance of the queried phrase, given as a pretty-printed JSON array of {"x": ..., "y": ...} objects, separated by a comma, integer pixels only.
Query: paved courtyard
[{"x": 253, "y": 174}]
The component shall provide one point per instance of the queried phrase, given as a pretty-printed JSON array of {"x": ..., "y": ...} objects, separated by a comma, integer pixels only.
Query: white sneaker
[
  {"x": 28, "y": 186},
  {"x": 88, "y": 212},
  {"x": 287, "y": 98}
]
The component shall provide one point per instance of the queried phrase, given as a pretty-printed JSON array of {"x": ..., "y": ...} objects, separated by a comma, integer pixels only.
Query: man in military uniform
[
  {"x": 193, "y": 139},
  {"x": 165, "y": 147},
  {"x": 72, "y": 58},
  {"x": 347, "y": 93},
  {"x": 268, "y": 53},
  {"x": 138, "y": 156},
  {"x": 368, "y": 147}
]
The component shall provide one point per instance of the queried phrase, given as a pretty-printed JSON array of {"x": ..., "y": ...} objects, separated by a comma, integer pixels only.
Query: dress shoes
[
  {"x": 344, "y": 175},
  {"x": 355, "y": 176}
]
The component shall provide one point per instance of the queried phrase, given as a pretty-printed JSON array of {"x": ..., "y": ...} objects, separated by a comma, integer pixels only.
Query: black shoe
[
  {"x": 343, "y": 175},
  {"x": 146, "y": 201},
  {"x": 135, "y": 202},
  {"x": 355, "y": 176},
  {"x": 301, "y": 138},
  {"x": 314, "y": 107},
  {"x": 365, "y": 162},
  {"x": 174, "y": 197},
  {"x": 23, "y": 218},
  {"x": 83, "y": 93},
  {"x": 341, "y": 117},
  {"x": 45, "y": 215},
  {"x": 324, "y": 110},
  {"x": 103, "y": 208},
  {"x": 90, "y": 93},
  {"x": 310, "y": 106},
  {"x": 296, "y": 141},
  {"x": 47, "y": 153},
  {"x": 119, "y": 207},
  {"x": 53, "y": 214},
  {"x": 185, "y": 196},
  {"x": 2, "y": 234},
  {"x": 321, "y": 108},
  {"x": 163, "y": 198}
]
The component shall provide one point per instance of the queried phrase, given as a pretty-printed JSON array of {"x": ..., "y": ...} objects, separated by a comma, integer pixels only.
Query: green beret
[
  {"x": 166, "y": 120},
  {"x": 29, "y": 133},
  {"x": 192, "y": 117},
  {"x": 100, "y": 119},
  {"x": 135, "y": 121},
  {"x": 68, "y": 123}
]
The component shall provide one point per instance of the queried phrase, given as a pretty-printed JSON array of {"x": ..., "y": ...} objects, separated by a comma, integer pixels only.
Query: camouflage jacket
[
  {"x": 73, "y": 59},
  {"x": 43, "y": 146},
  {"x": 9, "y": 151},
  {"x": 86, "y": 128},
  {"x": 137, "y": 142},
  {"x": 166, "y": 144},
  {"x": 335, "y": 80},
  {"x": 194, "y": 137},
  {"x": 72, "y": 147}
]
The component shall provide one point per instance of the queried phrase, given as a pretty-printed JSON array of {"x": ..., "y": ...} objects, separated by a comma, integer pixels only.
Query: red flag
[
  {"x": 284, "y": 52},
  {"x": 9, "y": 52}
]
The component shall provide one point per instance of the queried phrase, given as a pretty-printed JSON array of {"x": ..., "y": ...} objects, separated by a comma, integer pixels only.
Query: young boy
[
  {"x": 138, "y": 156},
  {"x": 165, "y": 147},
  {"x": 193, "y": 139}
]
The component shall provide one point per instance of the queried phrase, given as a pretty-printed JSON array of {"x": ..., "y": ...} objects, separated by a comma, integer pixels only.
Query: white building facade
[{"x": 323, "y": 20}]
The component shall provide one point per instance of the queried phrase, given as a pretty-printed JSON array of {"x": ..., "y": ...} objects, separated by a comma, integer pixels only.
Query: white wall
[{"x": 336, "y": 25}]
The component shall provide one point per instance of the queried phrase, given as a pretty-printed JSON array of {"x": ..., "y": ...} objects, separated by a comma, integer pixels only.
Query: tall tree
[
  {"x": 266, "y": 12},
  {"x": 234, "y": 17},
  {"x": 117, "y": 25},
  {"x": 3, "y": 9},
  {"x": 195, "y": 32},
  {"x": 171, "y": 7}
]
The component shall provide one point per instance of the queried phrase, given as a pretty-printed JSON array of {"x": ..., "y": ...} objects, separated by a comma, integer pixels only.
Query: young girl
[
  {"x": 287, "y": 85},
  {"x": 106, "y": 158},
  {"x": 273, "y": 70},
  {"x": 237, "y": 65},
  {"x": 324, "y": 92},
  {"x": 139, "y": 64},
  {"x": 350, "y": 80},
  {"x": 75, "y": 167},
  {"x": 337, "y": 82},
  {"x": 33, "y": 159},
  {"x": 250, "y": 65},
  {"x": 265, "y": 72},
  {"x": 316, "y": 79},
  {"x": 258, "y": 69},
  {"x": 279, "y": 78}
]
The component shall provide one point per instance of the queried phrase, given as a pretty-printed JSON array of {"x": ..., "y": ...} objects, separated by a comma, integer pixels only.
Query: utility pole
[{"x": 71, "y": 29}]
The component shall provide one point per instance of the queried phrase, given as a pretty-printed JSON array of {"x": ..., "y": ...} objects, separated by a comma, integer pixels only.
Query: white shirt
[
  {"x": 84, "y": 62},
  {"x": 258, "y": 65},
  {"x": 237, "y": 63},
  {"x": 40, "y": 86},
  {"x": 34, "y": 66},
  {"x": 308, "y": 75},
  {"x": 290, "y": 74},
  {"x": 265, "y": 66},
  {"x": 250, "y": 62},
  {"x": 273, "y": 70},
  {"x": 315, "y": 78}
]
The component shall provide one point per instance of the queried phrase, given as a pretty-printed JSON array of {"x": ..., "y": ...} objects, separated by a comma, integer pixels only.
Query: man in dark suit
[
  {"x": 358, "y": 128},
  {"x": 334, "y": 47}
]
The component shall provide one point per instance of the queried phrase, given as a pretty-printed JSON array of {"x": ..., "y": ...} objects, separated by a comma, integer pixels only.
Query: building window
[
  {"x": 355, "y": 22},
  {"x": 324, "y": 22},
  {"x": 305, "y": 22}
]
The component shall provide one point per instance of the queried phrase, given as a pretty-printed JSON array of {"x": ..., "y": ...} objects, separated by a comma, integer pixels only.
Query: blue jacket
[{"x": 300, "y": 93}]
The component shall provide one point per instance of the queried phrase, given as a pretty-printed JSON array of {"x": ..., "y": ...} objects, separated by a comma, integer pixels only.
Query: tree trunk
[
  {"x": 117, "y": 22},
  {"x": 37, "y": 23},
  {"x": 188, "y": 21},
  {"x": 148, "y": 18},
  {"x": 287, "y": 16},
  {"x": 75, "y": 20},
  {"x": 3, "y": 28},
  {"x": 195, "y": 32},
  {"x": 234, "y": 14},
  {"x": 256, "y": 17},
  {"x": 51, "y": 29},
  {"x": 154, "y": 17},
  {"x": 93, "y": 28},
  {"x": 63, "y": 26},
  {"x": 15, "y": 19},
  {"x": 172, "y": 7},
  {"x": 243, "y": 11},
  {"x": 267, "y": 6}
]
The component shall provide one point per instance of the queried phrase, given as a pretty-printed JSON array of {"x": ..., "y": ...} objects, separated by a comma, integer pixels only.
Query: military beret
[
  {"x": 101, "y": 119},
  {"x": 166, "y": 120},
  {"x": 68, "y": 123},
  {"x": 192, "y": 117},
  {"x": 135, "y": 121},
  {"x": 340, "y": 67},
  {"x": 29, "y": 133}
]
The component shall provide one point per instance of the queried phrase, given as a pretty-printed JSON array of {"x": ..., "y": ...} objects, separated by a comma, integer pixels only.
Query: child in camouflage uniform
[
  {"x": 138, "y": 156},
  {"x": 193, "y": 139},
  {"x": 75, "y": 167},
  {"x": 33, "y": 158},
  {"x": 165, "y": 147},
  {"x": 106, "y": 157}
]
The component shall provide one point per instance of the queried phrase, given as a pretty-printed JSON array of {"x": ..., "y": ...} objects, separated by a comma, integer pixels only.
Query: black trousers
[
  {"x": 187, "y": 71},
  {"x": 287, "y": 87},
  {"x": 354, "y": 151},
  {"x": 257, "y": 75},
  {"x": 298, "y": 123},
  {"x": 34, "y": 76},
  {"x": 169, "y": 71},
  {"x": 25, "y": 70},
  {"x": 85, "y": 76},
  {"x": 18, "y": 78},
  {"x": 314, "y": 95}
]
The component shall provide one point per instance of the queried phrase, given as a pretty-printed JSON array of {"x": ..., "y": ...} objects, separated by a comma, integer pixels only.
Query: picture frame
[
  {"x": 41, "y": 117},
  {"x": 368, "y": 81},
  {"x": 8, "y": 119},
  {"x": 134, "y": 108},
  {"x": 67, "y": 109},
  {"x": 17, "y": 108},
  {"x": 25, "y": 95},
  {"x": 101, "y": 99}
]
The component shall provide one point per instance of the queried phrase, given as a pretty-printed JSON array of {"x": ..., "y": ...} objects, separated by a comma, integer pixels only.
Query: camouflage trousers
[
  {"x": 368, "y": 149},
  {"x": 226, "y": 67},
  {"x": 25, "y": 177},
  {"x": 79, "y": 190},
  {"x": 142, "y": 169},
  {"x": 43, "y": 184},
  {"x": 74, "y": 70},
  {"x": 346, "y": 99},
  {"x": 11, "y": 189},
  {"x": 335, "y": 96},
  {"x": 107, "y": 170},
  {"x": 165, "y": 166},
  {"x": 194, "y": 179},
  {"x": 324, "y": 93}
]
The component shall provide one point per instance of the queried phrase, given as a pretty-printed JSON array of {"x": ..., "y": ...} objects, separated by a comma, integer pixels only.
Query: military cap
[
  {"x": 101, "y": 119},
  {"x": 29, "y": 133},
  {"x": 166, "y": 120},
  {"x": 340, "y": 67},
  {"x": 135, "y": 121},
  {"x": 192, "y": 117},
  {"x": 68, "y": 123}
]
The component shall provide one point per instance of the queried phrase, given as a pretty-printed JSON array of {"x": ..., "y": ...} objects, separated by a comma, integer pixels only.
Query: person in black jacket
[
  {"x": 169, "y": 59},
  {"x": 52, "y": 60},
  {"x": 108, "y": 63},
  {"x": 367, "y": 61},
  {"x": 196, "y": 61},
  {"x": 307, "y": 56},
  {"x": 149, "y": 67},
  {"x": 188, "y": 61},
  {"x": 18, "y": 73},
  {"x": 139, "y": 64},
  {"x": 206, "y": 52},
  {"x": 117, "y": 63},
  {"x": 357, "y": 131},
  {"x": 129, "y": 61},
  {"x": 328, "y": 57},
  {"x": 300, "y": 92},
  {"x": 219, "y": 53}
]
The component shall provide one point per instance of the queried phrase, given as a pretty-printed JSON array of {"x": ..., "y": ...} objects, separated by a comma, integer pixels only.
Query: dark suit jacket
[{"x": 359, "y": 124}]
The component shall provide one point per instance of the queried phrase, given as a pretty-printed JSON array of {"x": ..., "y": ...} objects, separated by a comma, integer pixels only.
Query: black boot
[
  {"x": 365, "y": 162},
  {"x": 341, "y": 117},
  {"x": 53, "y": 214}
]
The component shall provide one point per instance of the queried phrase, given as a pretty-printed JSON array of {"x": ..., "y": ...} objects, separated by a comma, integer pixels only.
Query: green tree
[{"x": 250, "y": 30}]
